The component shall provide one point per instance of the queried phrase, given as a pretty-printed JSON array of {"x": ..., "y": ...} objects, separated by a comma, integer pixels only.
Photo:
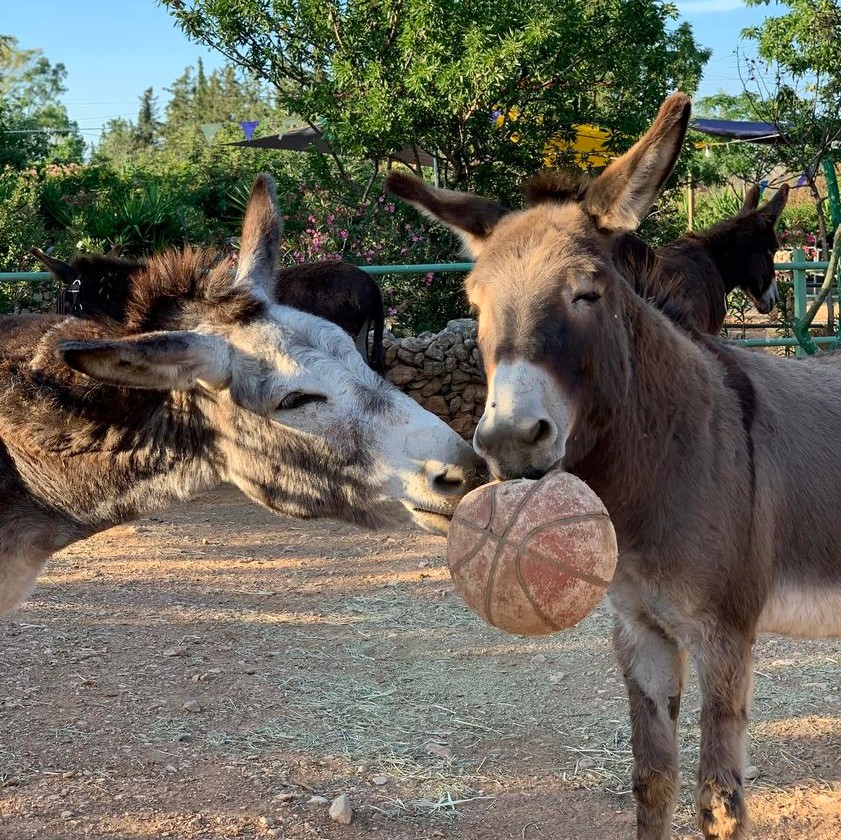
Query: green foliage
[
  {"x": 383, "y": 75},
  {"x": 799, "y": 227},
  {"x": 21, "y": 225},
  {"x": 376, "y": 231},
  {"x": 752, "y": 162},
  {"x": 795, "y": 83}
]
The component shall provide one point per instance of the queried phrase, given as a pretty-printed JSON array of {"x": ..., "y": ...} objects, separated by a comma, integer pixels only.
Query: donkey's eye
[
  {"x": 296, "y": 399},
  {"x": 587, "y": 297}
]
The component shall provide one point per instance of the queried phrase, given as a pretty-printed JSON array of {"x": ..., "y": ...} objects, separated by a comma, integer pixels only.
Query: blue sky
[{"x": 114, "y": 49}]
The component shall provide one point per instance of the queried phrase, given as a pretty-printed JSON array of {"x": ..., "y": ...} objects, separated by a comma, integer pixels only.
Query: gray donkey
[
  {"x": 206, "y": 380},
  {"x": 699, "y": 450}
]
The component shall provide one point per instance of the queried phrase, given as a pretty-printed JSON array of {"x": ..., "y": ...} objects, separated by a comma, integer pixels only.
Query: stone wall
[
  {"x": 21, "y": 297},
  {"x": 442, "y": 371}
]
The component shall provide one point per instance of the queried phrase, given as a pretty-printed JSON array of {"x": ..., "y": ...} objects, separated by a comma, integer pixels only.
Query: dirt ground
[{"x": 216, "y": 672}]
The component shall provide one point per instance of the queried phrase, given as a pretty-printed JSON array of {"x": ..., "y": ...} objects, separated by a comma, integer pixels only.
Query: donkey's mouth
[{"x": 436, "y": 523}]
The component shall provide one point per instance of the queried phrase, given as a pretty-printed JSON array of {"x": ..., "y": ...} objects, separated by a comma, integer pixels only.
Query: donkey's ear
[
  {"x": 62, "y": 270},
  {"x": 772, "y": 209},
  {"x": 751, "y": 200},
  {"x": 623, "y": 193},
  {"x": 471, "y": 217},
  {"x": 262, "y": 228},
  {"x": 161, "y": 361}
]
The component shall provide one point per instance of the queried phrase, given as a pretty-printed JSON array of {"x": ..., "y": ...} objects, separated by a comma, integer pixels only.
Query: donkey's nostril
[
  {"x": 452, "y": 481},
  {"x": 538, "y": 431}
]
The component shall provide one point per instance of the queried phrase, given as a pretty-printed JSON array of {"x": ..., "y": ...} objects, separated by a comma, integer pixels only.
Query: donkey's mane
[
  {"x": 556, "y": 186},
  {"x": 175, "y": 289}
]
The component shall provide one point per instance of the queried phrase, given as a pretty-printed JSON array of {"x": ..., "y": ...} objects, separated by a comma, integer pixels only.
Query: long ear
[
  {"x": 61, "y": 269},
  {"x": 160, "y": 361},
  {"x": 772, "y": 209},
  {"x": 262, "y": 228},
  {"x": 471, "y": 217},
  {"x": 116, "y": 250},
  {"x": 623, "y": 193},
  {"x": 751, "y": 200}
]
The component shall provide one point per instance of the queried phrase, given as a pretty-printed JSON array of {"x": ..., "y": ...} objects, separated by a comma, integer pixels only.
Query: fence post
[{"x": 798, "y": 255}]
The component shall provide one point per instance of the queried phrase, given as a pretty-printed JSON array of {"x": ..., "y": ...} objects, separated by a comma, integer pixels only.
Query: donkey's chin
[
  {"x": 393, "y": 513},
  {"x": 435, "y": 523},
  {"x": 764, "y": 304}
]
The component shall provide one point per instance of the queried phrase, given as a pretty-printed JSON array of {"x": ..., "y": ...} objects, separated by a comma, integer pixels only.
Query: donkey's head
[
  {"x": 95, "y": 285},
  {"x": 279, "y": 402},
  {"x": 760, "y": 281},
  {"x": 551, "y": 305},
  {"x": 743, "y": 247}
]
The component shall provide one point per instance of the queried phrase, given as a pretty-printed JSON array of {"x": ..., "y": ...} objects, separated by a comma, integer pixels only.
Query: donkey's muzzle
[
  {"x": 453, "y": 482},
  {"x": 768, "y": 300}
]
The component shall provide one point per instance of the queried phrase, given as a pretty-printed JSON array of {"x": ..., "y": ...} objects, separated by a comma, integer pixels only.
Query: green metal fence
[{"x": 798, "y": 267}]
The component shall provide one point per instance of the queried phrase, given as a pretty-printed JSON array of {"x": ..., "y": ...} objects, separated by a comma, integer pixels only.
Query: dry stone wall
[{"x": 442, "y": 371}]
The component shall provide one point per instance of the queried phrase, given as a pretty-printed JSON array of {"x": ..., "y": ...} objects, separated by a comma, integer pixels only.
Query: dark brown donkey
[
  {"x": 690, "y": 278},
  {"x": 342, "y": 293},
  {"x": 96, "y": 285},
  {"x": 696, "y": 447}
]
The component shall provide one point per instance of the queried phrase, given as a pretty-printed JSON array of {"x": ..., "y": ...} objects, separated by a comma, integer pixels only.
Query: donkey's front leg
[
  {"x": 653, "y": 667},
  {"x": 724, "y": 671}
]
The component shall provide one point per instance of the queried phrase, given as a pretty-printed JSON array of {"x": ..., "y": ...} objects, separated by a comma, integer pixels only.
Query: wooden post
[{"x": 690, "y": 205}]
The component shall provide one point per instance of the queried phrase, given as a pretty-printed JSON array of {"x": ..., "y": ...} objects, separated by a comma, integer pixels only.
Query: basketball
[{"x": 532, "y": 557}]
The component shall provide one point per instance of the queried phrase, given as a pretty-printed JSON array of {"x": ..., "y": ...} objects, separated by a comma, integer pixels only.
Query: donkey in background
[
  {"x": 342, "y": 293},
  {"x": 689, "y": 279},
  {"x": 695, "y": 446},
  {"x": 205, "y": 379},
  {"x": 97, "y": 285}
]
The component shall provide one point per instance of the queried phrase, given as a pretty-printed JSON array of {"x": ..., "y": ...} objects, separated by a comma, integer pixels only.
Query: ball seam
[{"x": 501, "y": 539}]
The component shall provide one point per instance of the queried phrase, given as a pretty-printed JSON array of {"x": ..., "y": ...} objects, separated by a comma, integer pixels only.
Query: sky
[{"x": 114, "y": 49}]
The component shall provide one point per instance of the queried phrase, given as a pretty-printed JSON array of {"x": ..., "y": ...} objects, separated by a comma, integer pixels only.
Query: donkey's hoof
[{"x": 721, "y": 811}]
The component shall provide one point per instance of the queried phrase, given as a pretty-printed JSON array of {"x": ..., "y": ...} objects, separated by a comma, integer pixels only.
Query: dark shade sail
[
  {"x": 755, "y": 132},
  {"x": 309, "y": 139}
]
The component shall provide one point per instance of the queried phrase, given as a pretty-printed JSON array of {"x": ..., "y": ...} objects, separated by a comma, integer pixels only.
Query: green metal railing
[{"x": 799, "y": 266}]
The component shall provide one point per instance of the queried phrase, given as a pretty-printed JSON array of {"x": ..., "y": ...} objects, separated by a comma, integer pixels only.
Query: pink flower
[
  {"x": 392, "y": 311},
  {"x": 343, "y": 234}
]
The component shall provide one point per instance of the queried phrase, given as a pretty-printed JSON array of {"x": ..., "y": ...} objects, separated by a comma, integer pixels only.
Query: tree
[
  {"x": 148, "y": 126},
  {"x": 34, "y": 126},
  {"x": 795, "y": 83},
  {"x": 438, "y": 74},
  {"x": 226, "y": 96}
]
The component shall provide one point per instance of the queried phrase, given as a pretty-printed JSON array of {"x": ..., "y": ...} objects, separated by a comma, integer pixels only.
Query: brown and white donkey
[
  {"x": 206, "y": 379},
  {"x": 699, "y": 450}
]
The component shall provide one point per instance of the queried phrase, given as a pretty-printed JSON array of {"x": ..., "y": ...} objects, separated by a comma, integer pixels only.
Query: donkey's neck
[
  {"x": 94, "y": 477},
  {"x": 634, "y": 450}
]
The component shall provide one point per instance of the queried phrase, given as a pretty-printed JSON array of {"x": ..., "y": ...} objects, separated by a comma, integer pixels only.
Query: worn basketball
[{"x": 532, "y": 557}]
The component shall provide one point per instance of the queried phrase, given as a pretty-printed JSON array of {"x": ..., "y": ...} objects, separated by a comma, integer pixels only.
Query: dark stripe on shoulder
[{"x": 740, "y": 383}]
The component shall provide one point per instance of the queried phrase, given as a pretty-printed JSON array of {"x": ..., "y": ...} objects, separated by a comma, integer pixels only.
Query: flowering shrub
[
  {"x": 377, "y": 231},
  {"x": 72, "y": 207}
]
